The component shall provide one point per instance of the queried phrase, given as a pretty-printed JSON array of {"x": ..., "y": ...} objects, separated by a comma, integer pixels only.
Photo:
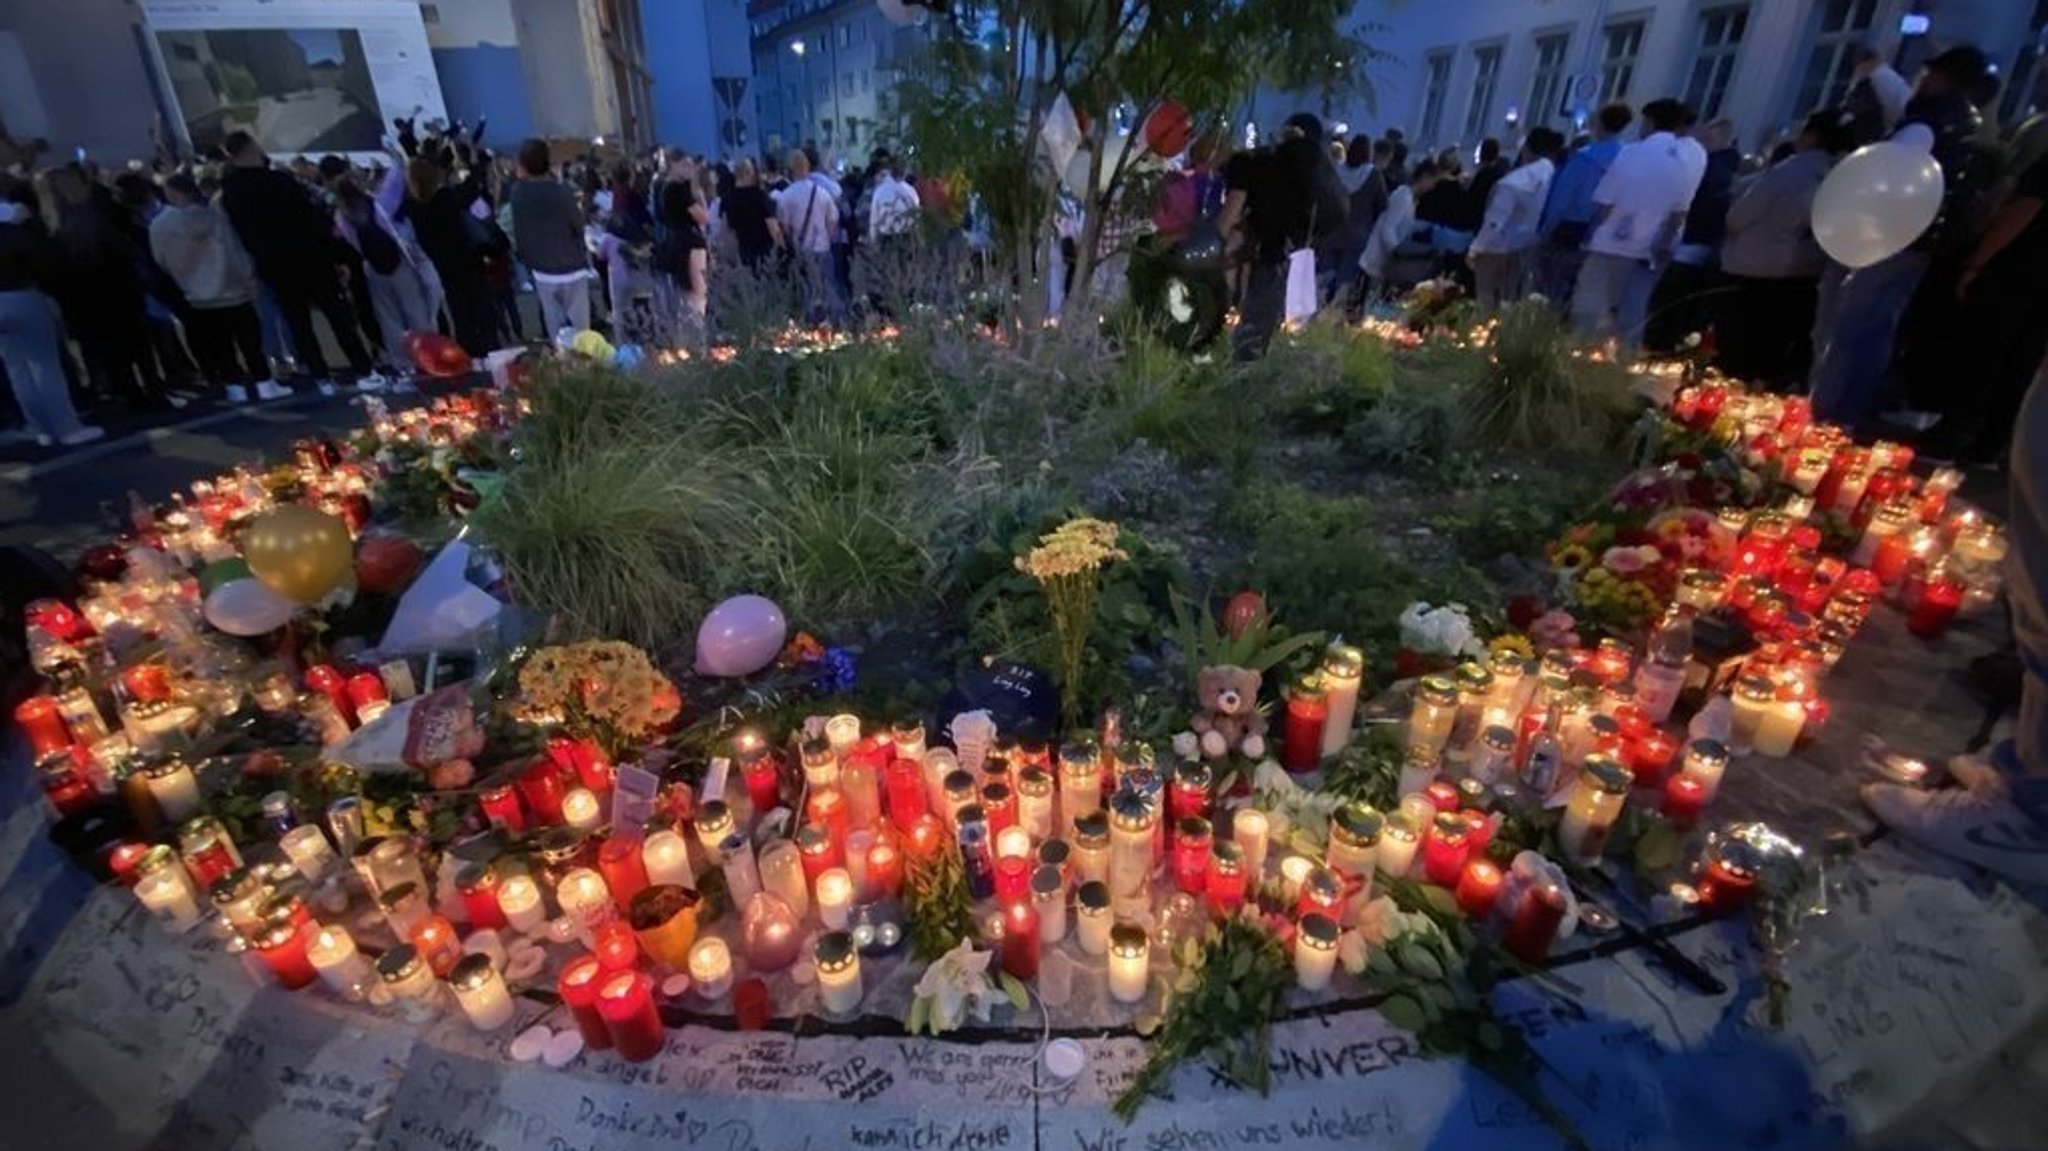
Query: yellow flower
[
  {"x": 1074, "y": 548},
  {"x": 1514, "y": 642}
]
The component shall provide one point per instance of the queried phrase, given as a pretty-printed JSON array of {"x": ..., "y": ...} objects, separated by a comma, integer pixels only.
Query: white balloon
[
  {"x": 1878, "y": 200},
  {"x": 246, "y": 607}
]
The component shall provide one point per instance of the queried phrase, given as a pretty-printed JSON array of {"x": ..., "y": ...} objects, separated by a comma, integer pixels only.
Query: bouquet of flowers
[
  {"x": 1068, "y": 563},
  {"x": 1434, "y": 638},
  {"x": 605, "y": 689}
]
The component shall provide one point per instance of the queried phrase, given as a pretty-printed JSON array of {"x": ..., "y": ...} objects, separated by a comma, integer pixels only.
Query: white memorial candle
[
  {"x": 519, "y": 899},
  {"x": 342, "y": 968},
  {"x": 481, "y": 993},
  {"x": 1130, "y": 963},
  {"x": 581, "y": 810},
  {"x": 835, "y": 897},
  {"x": 1315, "y": 951},
  {"x": 1250, "y": 828},
  {"x": 667, "y": 859},
  {"x": 711, "y": 967},
  {"x": 307, "y": 847},
  {"x": 167, "y": 894}
]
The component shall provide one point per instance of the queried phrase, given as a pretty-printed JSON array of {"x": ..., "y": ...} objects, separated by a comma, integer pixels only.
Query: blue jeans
[
  {"x": 1850, "y": 365},
  {"x": 824, "y": 301},
  {"x": 1612, "y": 296},
  {"x": 28, "y": 346}
]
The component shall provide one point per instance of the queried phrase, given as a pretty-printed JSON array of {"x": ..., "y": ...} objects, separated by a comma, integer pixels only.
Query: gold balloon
[{"x": 299, "y": 553}]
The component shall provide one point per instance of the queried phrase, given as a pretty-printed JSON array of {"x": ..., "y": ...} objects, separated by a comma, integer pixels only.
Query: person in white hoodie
[
  {"x": 1395, "y": 226},
  {"x": 1508, "y": 232},
  {"x": 196, "y": 245}
]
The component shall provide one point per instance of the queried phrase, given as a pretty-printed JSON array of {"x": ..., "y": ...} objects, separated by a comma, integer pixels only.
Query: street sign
[{"x": 1579, "y": 93}]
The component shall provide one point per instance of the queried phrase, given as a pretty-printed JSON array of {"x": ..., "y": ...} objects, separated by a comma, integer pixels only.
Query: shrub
[{"x": 1537, "y": 392}]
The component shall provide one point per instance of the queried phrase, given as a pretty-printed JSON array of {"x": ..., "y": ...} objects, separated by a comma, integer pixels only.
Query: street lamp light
[{"x": 797, "y": 46}]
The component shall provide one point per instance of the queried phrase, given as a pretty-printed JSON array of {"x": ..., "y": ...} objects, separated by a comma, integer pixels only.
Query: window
[
  {"x": 1839, "y": 28},
  {"x": 846, "y": 35},
  {"x": 846, "y": 84},
  {"x": 1485, "y": 78},
  {"x": 1713, "y": 58},
  {"x": 1621, "y": 44},
  {"x": 1546, "y": 90},
  {"x": 863, "y": 79},
  {"x": 2019, "y": 99},
  {"x": 1434, "y": 92}
]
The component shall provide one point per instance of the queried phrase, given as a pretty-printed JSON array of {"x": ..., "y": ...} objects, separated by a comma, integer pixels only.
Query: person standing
[
  {"x": 290, "y": 238},
  {"x": 1640, "y": 206},
  {"x": 1678, "y": 305},
  {"x": 749, "y": 215},
  {"x": 809, "y": 214},
  {"x": 893, "y": 211},
  {"x": 29, "y": 335},
  {"x": 547, "y": 235},
  {"x": 1857, "y": 323},
  {"x": 456, "y": 242},
  {"x": 1771, "y": 264},
  {"x": 1394, "y": 228},
  {"x": 2000, "y": 335},
  {"x": 682, "y": 257},
  {"x": 1876, "y": 98},
  {"x": 197, "y": 248},
  {"x": 1507, "y": 232},
  {"x": 1279, "y": 200},
  {"x": 1569, "y": 212},
  {"x": 1365, "y": 183},
  {"x": 398, "y": 279}
]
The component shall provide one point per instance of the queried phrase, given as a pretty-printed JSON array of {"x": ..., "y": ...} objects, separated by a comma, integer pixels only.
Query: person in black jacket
[
  {"x": 100, "y": 289},
  {"x": 290, "y": 237},
  {"x": 457, "y": 243},
  {"x": 29, "y": 336}
]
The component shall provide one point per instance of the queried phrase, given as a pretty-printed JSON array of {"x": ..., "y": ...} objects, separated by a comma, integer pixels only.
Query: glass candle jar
[
  {"x": 908, "y": 736},
  {"x": 342, "y": 968},
  {"x": 174, "y": 788},
  {"x": 1130, "y": 963},
  {"x": 841, "y": 733},
  {"x": 834, "y": 892},
  {"x": 625, "y": 1003},
  {"x": 962, "y": 790},
  {"x": 43, "y": 724},
  {"x": 1191, "y": 854},
  {"x": 1092, "y": 914},
  {"x": 1534, "y": 923},
  {"x": 1478, "y": 888},
  {"x": 167, "y": 893},
  {"x": 1343, "y": 673},
  {"x": 1706, "y": 760},
  {"x": 1433, "y": 713},
  {"x": 759, "y": 771},
  {"x": 1315, "y": 952},
  {"x": 1049, "y": 897},
  {"x": 409, "y": 981},
  {"x": 1753, "y": 698},
  {"x": 1034, "y": 802},
  {"x": 772, "y": 935},
  {"x": 1355, "y": 830},
  {"x": 583, "y": 897},
  {"x": 396, "y": 860},
  {"x": 782, "y": 873},
  {"x": 625, "y": 874},
  {"x": 838, "y": 964},
  {"x": 1493, "y": 755},
  {"x": 885, "y": 867},
  {"x": 1700, "y": 589},
  {"x": 1134, "y": 817},
  {"x": 821, "y": 763},
  {"x": 520, "y": 899},
  {"x": 1091, "y": 847},
  {"x": 239, "y": 896},
  {"x": 1322, "y": 891},
  {"x": 1399, "y": 841},
  {"x": 860, "y": 780},
  {"x": 711, "y": 967},
  {"x": 1251, "y": 830},
  {"x": 666, "y": 858},
  {"x": 817, "y": 851},
  {"x": 1013, "y": 877},
  {"x": 742, "y": 874},
  {"x": 577, "y": 985},
  {"x": 977, "y": 855},
  {"x": 1596, "y": 801},
  {"x": 1225, "y": 882},
  {"x": 281, "y": 946},
  {"x": 1301, "y": 733},
  {"x": 541, "y": 788},
  {"x": 1016, "y": 931},
  {"x": 476, "y": 885},
  {"x": 307, "y": 847},
  {"x": 1449, "y": 846},
  {"x": 664, "y": 920},
  {"x": 999, "y": 807},
  {"x": 1475, "y": 690},
  {"x": 903, "y": 786},
  {"x": 481, "y": 992},
  {"x": 1080, "y": 782}
]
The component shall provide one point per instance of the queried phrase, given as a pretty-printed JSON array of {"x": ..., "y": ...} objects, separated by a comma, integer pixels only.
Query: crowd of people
[
  {"x": 1659, "y": 232},
  {"x": 151, "y": 287}
]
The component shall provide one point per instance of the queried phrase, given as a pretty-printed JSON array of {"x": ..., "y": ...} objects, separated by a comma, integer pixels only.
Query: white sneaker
[
  {"x": 236, "y": 394},
  {"x": 272, "y": 390},
  {"x": 84, "y": 435},
  {"x": 176, "y": 401},
  {"x": 374, "y": 382},
  {"x": 1976, "y": 828},
  {"x": 45, "y": 442}
]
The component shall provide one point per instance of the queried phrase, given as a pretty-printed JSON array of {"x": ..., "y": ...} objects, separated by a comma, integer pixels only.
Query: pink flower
[{"x": 1624, "y": 561}]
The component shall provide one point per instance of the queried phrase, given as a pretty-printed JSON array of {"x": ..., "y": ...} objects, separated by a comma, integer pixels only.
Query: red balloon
[
  {"x": 1168, "y": 129},
  {"x": 439, "y": 356},
  {"x": 385, "y": 564},
  {"x": 1244, "y": 609}
]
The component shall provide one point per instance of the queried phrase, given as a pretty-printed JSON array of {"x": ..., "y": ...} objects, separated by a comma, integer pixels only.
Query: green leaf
[
  {"x": 1657, "y": 849},
  {"x": 1241, "y": 966},
  {"x": 1418, "y": 961},
  {"x": 1014, "y": 988},
  {"x": 1405, "y": 1013},
  {"x": 920, "y": 1016},
  {"x": 1379, "y": 963}
]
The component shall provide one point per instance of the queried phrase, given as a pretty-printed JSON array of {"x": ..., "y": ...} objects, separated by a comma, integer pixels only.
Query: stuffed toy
[{"x": 1229, "y": 720}]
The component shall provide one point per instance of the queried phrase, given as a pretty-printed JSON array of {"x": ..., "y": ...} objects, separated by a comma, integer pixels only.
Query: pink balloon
[{"x": 740, "y": 636}]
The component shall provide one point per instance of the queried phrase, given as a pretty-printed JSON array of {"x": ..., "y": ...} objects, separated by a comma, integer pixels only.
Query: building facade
[
  {"x": 699, "y": 53},
  {"x": 1462, "y": 72},
  {"x": 821, "y": 69}
]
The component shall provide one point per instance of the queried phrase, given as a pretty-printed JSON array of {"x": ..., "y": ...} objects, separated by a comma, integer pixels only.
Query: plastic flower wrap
[{"x": 1445, "y": 630}]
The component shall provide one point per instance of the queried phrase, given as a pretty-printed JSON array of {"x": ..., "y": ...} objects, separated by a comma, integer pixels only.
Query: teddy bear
[{"x": 1229, "y": 720}]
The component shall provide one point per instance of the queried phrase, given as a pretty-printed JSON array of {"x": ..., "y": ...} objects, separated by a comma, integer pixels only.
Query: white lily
[{"x": 956, "y": 983}]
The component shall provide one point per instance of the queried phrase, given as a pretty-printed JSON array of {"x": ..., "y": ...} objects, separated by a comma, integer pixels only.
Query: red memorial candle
[
  {"x": 827, "y": 808},
  {"x": 478, "y": 887},
  {"x": 1301, "y": 737},
  {"x": 540, "y": 785},
  {"x": 625, "y": 1004},
  {"x": 1534, "y": 926},
  {"x": 323, "y": 678},
  {"x": 1939, "y": 601},
  {"x": 615, "y": 945},
  {"x": 1723, "y": 889},
  {"x": 763, "y": 776},
  {"x": 282, "y": 948},
  {"x": 903, "y": 784},
  {"x": 1685, "y": 798},
  {"x": 1020, "y": 940},
  {"x": 366, "y": 687},
  {"x": 1448, "y": 847},
  {"x": 624, "y": 871},
  {"x": 147, "y": 683},
  {"x": 1478, "y": 888},
  {"x": 885, "y": 867},
  {"x": 817, "y": 852},
  {"x": 578, "y": 986},
  {"x": 1013, "y": 878},
  {"x": 1191, "y": 855},
  {"x": 501, "y": 809},
  {"x": 39, "y": 720},
  {"x": 1650, "y": 756}
]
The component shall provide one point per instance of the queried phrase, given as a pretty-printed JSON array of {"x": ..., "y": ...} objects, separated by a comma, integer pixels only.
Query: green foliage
[
  {"x": 1414, "y": 426},
  {"x": 1007, "y": 615},
  {"x": 1198, "y": 413},
  {"x": 936, "y": 903},
  {"x": 1220, "y": 1005},
  {"x": 1538, "y": 393},
  {"x": 1323, "y": 377},
  {"x": 1261, "y": 646},
  {"x": 1517, "y": 513},
  {"x": 1369, "y": 770}
]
